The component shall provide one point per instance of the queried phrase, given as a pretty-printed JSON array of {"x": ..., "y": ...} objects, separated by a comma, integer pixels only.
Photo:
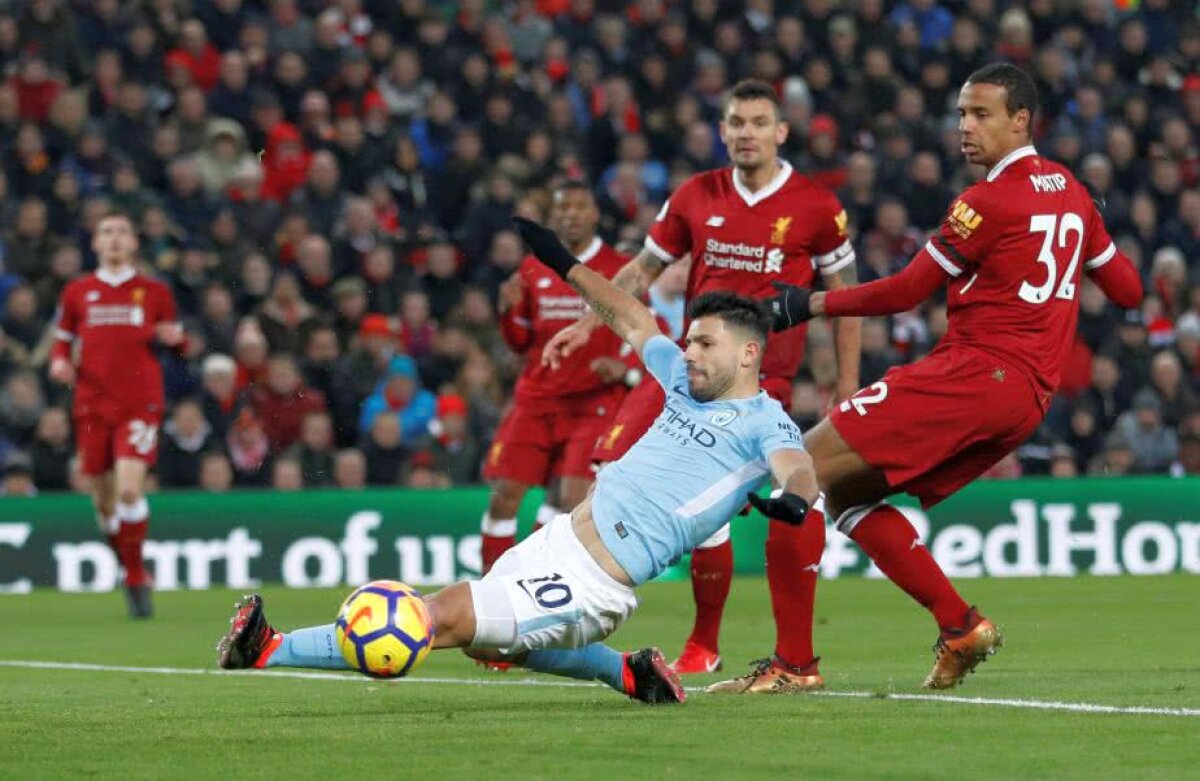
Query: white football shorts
[{"x": 548, "y": 592}]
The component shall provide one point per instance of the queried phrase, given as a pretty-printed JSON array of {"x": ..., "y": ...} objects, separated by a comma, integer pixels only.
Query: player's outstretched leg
[
  {"x": 793, "y": 568},
  {"x": 712, "y": 573},
  {"x": 642, "y": 675},
  {"x": 253, "y": 643},
  {"x": 966, "y": 637}
]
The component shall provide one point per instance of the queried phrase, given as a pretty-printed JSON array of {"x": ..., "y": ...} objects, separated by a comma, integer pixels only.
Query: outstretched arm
[
  {"x": 888, "y": 296},
  {"x": 625, "y": 315},
  {"x": 1117, "y": 277}
]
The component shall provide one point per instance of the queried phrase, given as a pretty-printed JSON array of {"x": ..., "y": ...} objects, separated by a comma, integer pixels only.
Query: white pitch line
[{"x": 1051, "y": 705}]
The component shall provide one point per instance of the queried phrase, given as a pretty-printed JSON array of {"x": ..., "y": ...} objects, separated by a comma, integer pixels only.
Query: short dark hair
[
  {"x": 573, "y": 185},
  {"x": 734, "y": 310},
  {"x": 1020, "y": 89},
  {"x": 755, "y": 89}
]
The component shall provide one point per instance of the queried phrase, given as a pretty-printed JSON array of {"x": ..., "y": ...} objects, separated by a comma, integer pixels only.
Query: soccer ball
[{"x": 384, "y": 629}]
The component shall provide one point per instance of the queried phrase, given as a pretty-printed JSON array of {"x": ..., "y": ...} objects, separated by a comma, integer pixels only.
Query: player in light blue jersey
[{"x": 547, "y": 602}]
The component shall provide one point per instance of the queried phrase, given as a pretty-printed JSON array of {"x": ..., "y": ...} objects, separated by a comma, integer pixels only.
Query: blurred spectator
[
  {"x": 384, "y": 450},
  {"x": 421, "y": 472},
  {"x": 216, "y": 473},
  {"x": 22, "y": 322},
  {"x": 18, "y": 478},
  {"x": 454, "y": 451},
  {"x": 249, "y": 449},
  {"x": 51, "y": 451},
  {"x": 1154, "y": 446},
  {"x": 21, "y": 406},
  {"x": 398, "y": 395},
  {"x": 350, "y": 469},
  {"x": 286, "y": 475},
  {"x": 284, "y": 401},
  {"x": 315, "y": 450},
  {"x": 185, "y": 437},
  {"x": 219, "y": 394}
]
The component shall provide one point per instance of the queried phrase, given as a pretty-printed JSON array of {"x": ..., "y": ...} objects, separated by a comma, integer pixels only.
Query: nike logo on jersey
[{"x": 715, "y": 221}]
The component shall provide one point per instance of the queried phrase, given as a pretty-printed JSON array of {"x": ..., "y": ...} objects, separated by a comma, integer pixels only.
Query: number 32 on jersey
[{"x": 1056, "y": 232}]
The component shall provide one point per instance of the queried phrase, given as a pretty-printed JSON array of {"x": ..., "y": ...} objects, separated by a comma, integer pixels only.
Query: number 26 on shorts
[{"x": 872, "y": 394}]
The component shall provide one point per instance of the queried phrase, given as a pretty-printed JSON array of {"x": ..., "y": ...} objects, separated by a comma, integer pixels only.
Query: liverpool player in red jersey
[
  {"x": 746, "y": 227},
  {"x": 1011, "y": 250},
  {"x": 556, "y": 416},
  {"x": 115, "y": 317}
]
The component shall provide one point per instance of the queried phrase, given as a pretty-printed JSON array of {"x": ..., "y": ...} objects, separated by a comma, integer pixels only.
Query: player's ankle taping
[
  {"x": 134, "y": 512},
  {"x": 494, "y": 527}
]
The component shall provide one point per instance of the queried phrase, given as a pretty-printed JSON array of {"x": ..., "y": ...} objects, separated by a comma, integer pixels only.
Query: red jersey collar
[
  {"x": 772, "y": 187},
  {"x": 118, "y": 278},
  {"x": 1008, "y": 160},
  {"x": 592, "y": 250}
]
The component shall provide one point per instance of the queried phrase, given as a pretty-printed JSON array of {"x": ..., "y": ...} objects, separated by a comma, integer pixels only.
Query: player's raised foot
[
  {"x": 648, "y": 678},
  {"x": 773, "y": 676},
  {"x": 696, "y": 659},
  {"x": 958, "y": 651},
  {"x": 139, "y": 601},
  {"x": 250, "y": 638}
]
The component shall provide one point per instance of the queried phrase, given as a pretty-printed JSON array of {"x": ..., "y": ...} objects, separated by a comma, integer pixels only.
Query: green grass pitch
[{"x": 1119, "y": 642}]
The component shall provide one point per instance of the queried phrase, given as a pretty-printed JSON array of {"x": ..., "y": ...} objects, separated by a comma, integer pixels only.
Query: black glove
[
  {"x": 545, "y": 246},
  {"x": 788, "y": 508},
  {"x": 789, "y": 308}
]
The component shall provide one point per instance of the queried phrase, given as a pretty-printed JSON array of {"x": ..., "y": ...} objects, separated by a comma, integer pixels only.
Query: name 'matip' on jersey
[{"x": 1016, "y": 245}]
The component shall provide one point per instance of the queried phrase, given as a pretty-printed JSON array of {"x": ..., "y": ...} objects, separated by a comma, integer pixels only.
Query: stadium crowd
[{"x": 327, "y": 186}]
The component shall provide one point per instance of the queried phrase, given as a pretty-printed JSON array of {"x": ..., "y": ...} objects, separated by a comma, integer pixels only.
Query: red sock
[
  {"x": 498, "y": 537},
  {"x": 712, "y": 572},
  {"x": 793, "y": 567},
  {"x": 129, "y": 549},
  {"x": 892, "y": 543}
]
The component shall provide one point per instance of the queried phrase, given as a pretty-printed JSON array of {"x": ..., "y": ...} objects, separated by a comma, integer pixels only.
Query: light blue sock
[
  {"x": 315, "y": 647},
  {"x": 595, "y": 662}
]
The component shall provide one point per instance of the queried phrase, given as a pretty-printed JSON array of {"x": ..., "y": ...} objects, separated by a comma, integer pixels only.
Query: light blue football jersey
[{"x": 689, "y": 474}]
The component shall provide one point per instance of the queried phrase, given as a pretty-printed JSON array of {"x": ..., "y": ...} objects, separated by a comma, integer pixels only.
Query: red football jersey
[
  {"x": 114, "y": 319},
  {"x": 742, "y": 242},
  {"x": 1016, "y": 244},
  {"x": 549, "y": 306}
]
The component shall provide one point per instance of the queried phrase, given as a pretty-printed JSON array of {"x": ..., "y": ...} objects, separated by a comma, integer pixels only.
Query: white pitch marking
[{"x": 1071, "y": 707}]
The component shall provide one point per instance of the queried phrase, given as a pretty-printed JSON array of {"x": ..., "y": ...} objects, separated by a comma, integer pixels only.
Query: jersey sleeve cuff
[
  {"x": 63, "y": 335},
  {"x": 833, "y": 262},
  {"x": 659, "y": 252},
  {"x": 1102, "y": 258},
  {"x": 947, "y": 265}
]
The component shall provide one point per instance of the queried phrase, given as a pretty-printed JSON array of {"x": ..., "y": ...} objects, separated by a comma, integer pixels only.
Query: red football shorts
[
  {"x": 642, "y": 406},
  {"x": 100, "y": 441},
  {"x": 935, "y": 425},
  {"x": 540, "y": 440}
]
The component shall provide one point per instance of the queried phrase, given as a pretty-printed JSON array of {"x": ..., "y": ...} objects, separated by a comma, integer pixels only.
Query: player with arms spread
[
  {"x": 117, "y": 316},
  {"x": 1012, "y": 250},
  {"x": 548, "y": 602},
  {"x": 556, "y": 417},
  {"x": 746, "y": 227}
]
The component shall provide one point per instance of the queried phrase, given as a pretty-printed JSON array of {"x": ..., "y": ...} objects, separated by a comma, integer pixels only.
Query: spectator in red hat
[
  {"x": 824, "y": 162},
  {"x": 453, "y": 449}
]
